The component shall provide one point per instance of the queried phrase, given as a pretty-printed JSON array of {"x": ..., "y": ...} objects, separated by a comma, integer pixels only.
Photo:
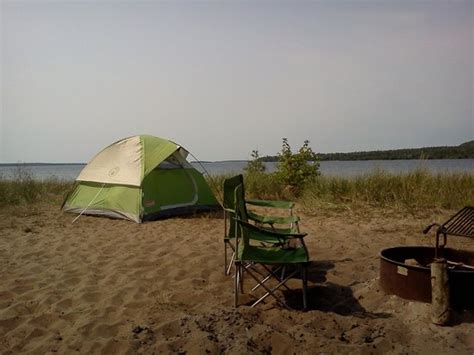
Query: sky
[{"x": 224, "y": 78}]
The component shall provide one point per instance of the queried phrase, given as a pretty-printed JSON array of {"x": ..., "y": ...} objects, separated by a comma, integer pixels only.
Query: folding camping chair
[
  {"x": 229, "y": 216},
  {"x": 270, "y": 249}
]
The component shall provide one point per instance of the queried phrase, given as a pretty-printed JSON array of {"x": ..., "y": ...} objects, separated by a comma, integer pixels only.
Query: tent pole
[{"x": 90, "y": 203}]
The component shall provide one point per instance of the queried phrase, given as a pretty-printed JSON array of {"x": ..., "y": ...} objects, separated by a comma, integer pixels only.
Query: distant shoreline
[
  {"x": 462, "y": 151},
  {"x": 228, "y": 161},
  {"x": 224, "y": 161}
]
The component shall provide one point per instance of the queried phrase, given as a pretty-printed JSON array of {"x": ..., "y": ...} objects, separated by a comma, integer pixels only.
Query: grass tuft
[{"x": 24, "y": 189}]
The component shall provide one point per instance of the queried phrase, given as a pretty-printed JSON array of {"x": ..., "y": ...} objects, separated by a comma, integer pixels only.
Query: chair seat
[
  {"x": 262, "y": 237},
  {"x": 272, "y": 219},
  {"x": 282, "y": 231},
  {"x": 271, "y": 203},
  {"x": 273, "y": 255}
]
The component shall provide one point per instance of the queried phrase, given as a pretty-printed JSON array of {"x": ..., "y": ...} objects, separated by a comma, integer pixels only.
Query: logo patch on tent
[
  {"x": 149, "y": 203},
  {"x": 114, "y": 171}
]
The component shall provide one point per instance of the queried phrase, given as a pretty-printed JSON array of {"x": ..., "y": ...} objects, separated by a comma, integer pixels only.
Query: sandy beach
[{"x": 112, "y": 286}]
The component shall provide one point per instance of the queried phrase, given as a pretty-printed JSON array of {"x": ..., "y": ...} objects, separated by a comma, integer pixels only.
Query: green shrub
[
  {"x": 255, "y": 165},
  {"x": 295, "y": 170},
  {"x": 258, "y": 183},
  {"x": 264, "y": 186}
]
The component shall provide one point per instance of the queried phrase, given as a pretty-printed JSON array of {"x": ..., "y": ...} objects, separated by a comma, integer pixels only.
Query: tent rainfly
[{"x": 140, "y": 178}]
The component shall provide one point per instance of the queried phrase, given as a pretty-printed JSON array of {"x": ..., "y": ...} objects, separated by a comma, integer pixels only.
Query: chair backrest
[
  {"x": 241, "y": 214},
  {"x": 229, "y": 203},
  {"x": 240, "y": 207},
  {"x": 229, "y": 189}
]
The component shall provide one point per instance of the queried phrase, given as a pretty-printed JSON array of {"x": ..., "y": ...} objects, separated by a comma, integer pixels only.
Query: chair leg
[
  {"x": 304, "y": 277},
  {"x": 236, "y": 284},
  {"x": 228, "y": 264},
  {"x": 265, "y": 278},
  {"x": 227, "y": 272},
  {"x": 270, "y": 292},
  {"x": 241, "y": 278},
  {"x": 283, "y": 269},
  {"x": 225, "y": 258},
  {"x": 271, "y": 273},
  {"x": 274, "y": 274}
]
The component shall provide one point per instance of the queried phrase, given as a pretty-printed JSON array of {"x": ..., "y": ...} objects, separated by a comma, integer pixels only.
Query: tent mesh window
[{"x": 170, "y": 163}]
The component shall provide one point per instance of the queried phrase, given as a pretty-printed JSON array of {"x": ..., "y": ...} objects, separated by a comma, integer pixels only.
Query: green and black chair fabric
[
  {"x": 269, "y": 249},
  {"x": 229, "y": 217},
  {"x": 268, "y": 222}
]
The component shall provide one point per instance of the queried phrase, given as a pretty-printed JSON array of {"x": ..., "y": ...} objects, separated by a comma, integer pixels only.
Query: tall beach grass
[
  {"x": 419, "y": 189},
  {"x": 22, "y": 188},
  {"x": 415, "y": 190}
]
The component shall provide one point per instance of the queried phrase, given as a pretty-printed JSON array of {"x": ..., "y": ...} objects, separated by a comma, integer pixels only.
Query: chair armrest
[
  {"x": 271, "y": 203},
  {"x": 269, "y": 233},
  {"x": 272, "y": 219}
]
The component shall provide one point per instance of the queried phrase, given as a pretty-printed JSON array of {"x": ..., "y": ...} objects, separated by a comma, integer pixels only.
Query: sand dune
[{"x": 112, "y": 286}]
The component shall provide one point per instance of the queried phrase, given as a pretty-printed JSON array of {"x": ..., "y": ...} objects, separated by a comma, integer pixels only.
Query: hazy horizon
[
  {"x": 212, "y": 161},
  {"x": 224, "y": 78}
]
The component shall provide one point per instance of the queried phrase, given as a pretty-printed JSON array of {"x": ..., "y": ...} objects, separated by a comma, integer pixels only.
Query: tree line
[{"x": 462, "y": 151}]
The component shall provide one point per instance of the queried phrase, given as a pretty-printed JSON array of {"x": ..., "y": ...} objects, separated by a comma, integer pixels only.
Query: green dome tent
[{"x": 140, "y": 178}]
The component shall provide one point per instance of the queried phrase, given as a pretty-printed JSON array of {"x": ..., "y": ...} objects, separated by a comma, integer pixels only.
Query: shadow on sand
[
  {"x": 462, "y": 316},
  {"x": 328, "y": 296}
]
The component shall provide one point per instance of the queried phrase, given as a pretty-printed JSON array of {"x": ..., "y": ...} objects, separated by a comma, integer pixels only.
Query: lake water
[{"x": 334, "y": 168}]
